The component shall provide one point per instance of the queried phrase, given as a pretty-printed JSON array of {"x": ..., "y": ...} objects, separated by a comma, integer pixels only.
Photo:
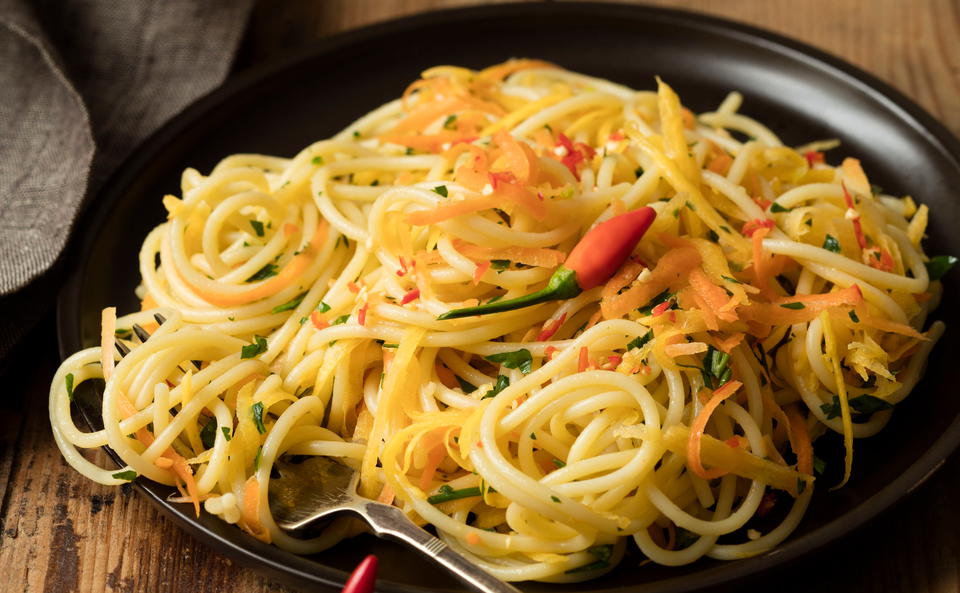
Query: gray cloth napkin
[{"x": 81, "y": 83}]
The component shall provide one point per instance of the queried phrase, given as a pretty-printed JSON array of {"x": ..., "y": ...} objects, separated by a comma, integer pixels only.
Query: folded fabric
[{"x": 81, "y": 83}]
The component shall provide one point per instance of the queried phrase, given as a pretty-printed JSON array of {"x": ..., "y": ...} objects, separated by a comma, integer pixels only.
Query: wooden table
[{"x": 62, "y": 533}]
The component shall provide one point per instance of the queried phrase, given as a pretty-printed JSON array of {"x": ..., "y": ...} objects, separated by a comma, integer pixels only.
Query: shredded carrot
[
  {"x": 800, "y": 440},
  {"x": 673, "y": 266},
  {"x": 700, "y": 424},
  {"x": 714, "y": 296},
  {"x": 450, "y": 210},
  {"x": 720, "y": 164},
  {"x": 761, "y": 271},
  {"x": 774, "y": 313},
  {"x": 528, "y": 256},
  {"x": 682, "y": 349},
  {"x": 751, "y": 226},
  {"x": 148, "y": 302},
  {"x": 728, "y": 344},
  {"x": 250, "y": 513},
  {"x": 446, "y": 376},
  {"x": 290, "y": 272},
  {"x": 318, "y": 320},
  {"x": 886, "y": 325},
  {"x": 473, "y": 539},
  {"x": 584, "y": 362},
  {"x": 551, "y": 328},
  {"x": 386, "y": 495},
  {"x": 501, "y": 71},
  {"x": 352, "y": 286},
  {"x": 178, "y": 463},
  {"x": 480, "y": 270}
]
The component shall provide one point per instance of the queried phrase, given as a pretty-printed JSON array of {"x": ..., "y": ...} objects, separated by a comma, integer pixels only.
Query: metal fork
[{"x": 318, "y": 487}]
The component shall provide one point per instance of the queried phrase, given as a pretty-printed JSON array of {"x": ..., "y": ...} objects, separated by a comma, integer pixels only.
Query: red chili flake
[
  {"x": 673, "y": 316},
  {"x": 549, "y": 352},
  {"x": 767, "y": 503},
  {"x": 501, "y": 177},
  {"x": 584, "y": 362},
  {"x": 362, "y": 314},
  {"x": 615, "y": 360},
  {"x": 410, "y": 296},
  {"x": 467, "y": 140},
  {"x": 857, "y": 228},
  {"x": 733, "y": 442},
  {"x": 813, "y": 157},
  {"x": 762, "y": 202},
  {"x": 576, "y": 153},
  {"x": 661, "y": 308},
  {"x": 752, "y": 226},
  {"x": 353, "y": 287},
  {"x": 318, "y": 320},
  {"x": 616, "y": 136},
  {"x": 403, "y": 267},
  {"x": 551, "y": 328}
]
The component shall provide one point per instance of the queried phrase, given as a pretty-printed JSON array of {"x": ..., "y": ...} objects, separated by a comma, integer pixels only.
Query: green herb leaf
[
  {"x": 503, "y": 382},
  {"x": 317, "y": 160},
  {"x": 356, "y": 133},
  {"x": 128, "y": 475},
  {"x": 257, "y": 227},
  {"x": 226, "y": 432},
  {"x": 340, "y": 320},
  {"x": 208, "y": 434},
  {"x": 638, "y": 171},
  {"x": 291, "y": 304},
  {"x": 441, "y": 189},
  {"x": 554, "y": 498},
  {"x": 342, "y": 239},
  {"x": 533, "y": 436},
  {"x": 731, "y": 279},
  {"x": 559, "y": 463},
  {"x": 448, "y": 123},
  {"x": 775, "y": 207},
  {"x": 868, "y": 404},
  {"x": 122, "y": 333},
  {"x": 640, "y": 341},
  {"x": 500, "y": 264},
  {"x": 69, "y": 382},
  {"x": 258, "y": 458},
  {"x": 323, "y": 307},
  {"x": 853, "y": 316},
  {"x": 830, "y": 243},
  {"x": 263, "y": 273},
  {"x": 685, "y": 538},
  {"x": 259, "y": 346},
  {"x": 518, "y": 359},
  {"x": 939, "y": 265},
  {"x": 447, "y": 493},
  {"x": 466, "y": 387},
  {"x": 801, "y": 485},
  {"x": 819, "y": 465},
  {"x": 794, "y": 306},
  {"x": 257, "y": 410}
]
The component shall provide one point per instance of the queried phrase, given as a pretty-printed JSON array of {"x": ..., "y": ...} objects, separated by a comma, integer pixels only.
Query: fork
[{"x": 320, "y": 487}]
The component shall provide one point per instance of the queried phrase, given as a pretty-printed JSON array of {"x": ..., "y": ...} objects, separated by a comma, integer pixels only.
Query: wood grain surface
[{"x": 60, "y": 533}]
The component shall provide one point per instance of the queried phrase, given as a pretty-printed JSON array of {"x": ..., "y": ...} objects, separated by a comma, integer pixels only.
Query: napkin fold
[{"x": 82, "y": 82}]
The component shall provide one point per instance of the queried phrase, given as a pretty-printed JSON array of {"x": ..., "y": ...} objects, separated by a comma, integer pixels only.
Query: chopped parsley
[
  {"x": 441, "y": 190},
  {"x": 69, "y": 382},
  {"x": 323, "y": 307},
  {"x": 775, "y": 207},
  {"x": 939, "y": 265},
  {"x": 226, "y": 432},
  {"x": 853, "y": 317},
  {"x": 263, "y": 273},
  {"x": 291, "y": 304},
  {"x": 864, "y": 404},
  {"x": 518, "y": 359},
  {"x": 447, "y": 493},
  {"x": 448, "y": 124},
  {"x": 257, "y": 227},
  {"x": 259, "y": 346},
  {"x": 340, "y": 320},
  {"x": 503, "y": 382},
  {"x": 603, "y": 554},
  {"x": 258, "y": 458},
  {"x": 716, "y": 368},
  {"x": 122, "y": 333},
  {"x": 559, "y": 463},
  {"x": 819, "y": 465},
  {"x": 257, "y": 411},
  {"x": 500, "y": 264},
  {"x": 554, "y": 498},
  {"x": 465, "y": 386},
  {"x": 640, "y": 341},
  {"x": 317, "y": 160},
  {"x": 794, "y": 306},
  {"x": 830, "y": 243},
  {"x": 128, "y": 475},
  {"x": 208, "y": 434}
]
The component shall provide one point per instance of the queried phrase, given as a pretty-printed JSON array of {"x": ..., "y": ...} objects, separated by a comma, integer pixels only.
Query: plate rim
[{"x": 291, "y": 568}]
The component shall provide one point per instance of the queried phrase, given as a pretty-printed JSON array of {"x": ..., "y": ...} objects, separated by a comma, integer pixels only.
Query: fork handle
[{"x": 391, "y": 522}]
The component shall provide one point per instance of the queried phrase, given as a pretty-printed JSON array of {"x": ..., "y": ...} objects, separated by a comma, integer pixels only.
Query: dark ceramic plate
[{"x": 800, "y": 92}]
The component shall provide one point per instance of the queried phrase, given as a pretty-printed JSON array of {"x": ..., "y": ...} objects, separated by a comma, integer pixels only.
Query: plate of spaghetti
[{"x": 423, "y": 270}]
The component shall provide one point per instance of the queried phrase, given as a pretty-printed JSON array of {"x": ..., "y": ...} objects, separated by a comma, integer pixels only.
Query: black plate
[{"x": 802, "y": 93}]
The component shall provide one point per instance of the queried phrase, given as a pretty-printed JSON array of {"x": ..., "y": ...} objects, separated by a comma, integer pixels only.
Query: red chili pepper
[
  {"x": 592, "y": 262},
  {"x": 752, "y": 226},
  {"x": 362, "y": 314},
  {"x": 551, "y": 328},
  {"x": 363, "y": 576},
  {"x": 410, "y": 296}
]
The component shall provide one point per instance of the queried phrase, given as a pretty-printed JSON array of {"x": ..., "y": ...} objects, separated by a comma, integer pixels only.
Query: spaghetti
[{"x": 292, "y": 309}]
